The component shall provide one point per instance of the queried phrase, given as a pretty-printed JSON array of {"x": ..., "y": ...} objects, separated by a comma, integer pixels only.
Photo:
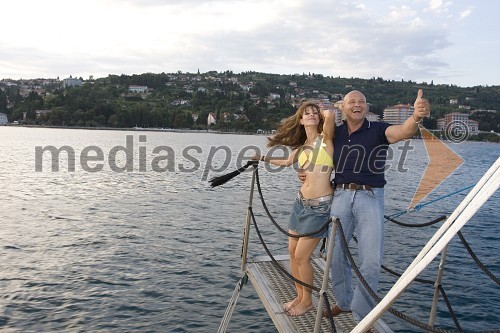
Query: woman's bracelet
[{"x": 417, "y": 122}]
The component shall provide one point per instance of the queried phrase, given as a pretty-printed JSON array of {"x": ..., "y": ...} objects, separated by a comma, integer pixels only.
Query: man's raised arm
[{"x": 408, "y": 129}]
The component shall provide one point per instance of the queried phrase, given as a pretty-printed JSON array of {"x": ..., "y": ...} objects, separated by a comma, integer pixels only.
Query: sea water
[{"x": 123, "y": 233}]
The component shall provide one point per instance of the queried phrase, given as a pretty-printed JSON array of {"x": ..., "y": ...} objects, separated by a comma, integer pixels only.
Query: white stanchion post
[
  {"x": 324, "y": 285},
  {"x": 412, "y": 272}
]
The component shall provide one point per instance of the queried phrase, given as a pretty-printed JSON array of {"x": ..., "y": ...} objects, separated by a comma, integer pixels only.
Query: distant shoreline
[
  {"x": 169, "y": 130},
  {"x": 134, "y": 129}
]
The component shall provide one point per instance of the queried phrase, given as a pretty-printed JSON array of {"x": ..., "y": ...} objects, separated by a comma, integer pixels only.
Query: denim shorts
[{"x": 305, "y": 219}]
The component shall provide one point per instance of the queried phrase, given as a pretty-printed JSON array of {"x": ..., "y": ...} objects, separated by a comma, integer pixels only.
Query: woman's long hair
[{"x": 291, "y": 132}]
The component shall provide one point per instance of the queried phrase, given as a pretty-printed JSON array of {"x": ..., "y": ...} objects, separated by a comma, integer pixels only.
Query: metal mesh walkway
[{"x": 274, "y": 290}]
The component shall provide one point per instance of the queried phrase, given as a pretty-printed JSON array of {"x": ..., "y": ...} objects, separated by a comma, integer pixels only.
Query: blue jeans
[{"x": 364, "y": 211}]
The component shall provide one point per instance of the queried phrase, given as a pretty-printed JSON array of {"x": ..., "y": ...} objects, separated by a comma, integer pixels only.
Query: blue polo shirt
[{"x": 360, "y": 157}]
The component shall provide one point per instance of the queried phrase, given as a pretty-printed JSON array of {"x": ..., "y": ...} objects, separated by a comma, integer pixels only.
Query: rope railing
[
  {"x": 440, "y": 288},
  {"x": 467, "y": 247},
  {"x": 462, "y": 239},
  {"x": 375, "y": 297},
  {"x": 280, "y": 267},
  {"x": 392, "y": 219},
  {"x": 415, "y": 225},
  {"x": 284, "y": 272},
  {"x": 428, "y": 282},
  {"x": 448, "y": 305},
  {"x": 275, "y": 262},
  {"x": 291, "y": 277},
  {"x": 259, "y": 189},
  {"x": 476, "y": 259}
]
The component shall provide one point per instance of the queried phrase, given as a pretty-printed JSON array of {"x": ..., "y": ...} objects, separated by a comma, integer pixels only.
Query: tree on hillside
[{"x": 3, "y": 102}]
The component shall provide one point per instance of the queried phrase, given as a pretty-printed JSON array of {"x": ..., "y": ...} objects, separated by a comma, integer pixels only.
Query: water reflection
[{"x": 115, "y": 251}]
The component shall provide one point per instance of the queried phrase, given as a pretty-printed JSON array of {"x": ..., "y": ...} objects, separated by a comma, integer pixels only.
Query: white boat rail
[
  {"x": 483, "y": 190},
  {"x": 274, "y": 289}
]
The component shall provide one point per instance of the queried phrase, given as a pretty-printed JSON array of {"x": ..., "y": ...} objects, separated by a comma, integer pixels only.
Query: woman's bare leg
[
  {"x": 303, "y": 251},
  {"x": 294, "y": 268}
]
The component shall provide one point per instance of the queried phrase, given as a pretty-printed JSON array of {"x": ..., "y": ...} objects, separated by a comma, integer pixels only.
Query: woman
[{"x": 310, "y": 134}]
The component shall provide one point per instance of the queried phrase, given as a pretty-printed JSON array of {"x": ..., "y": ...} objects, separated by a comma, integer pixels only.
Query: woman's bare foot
[
  {"x": 300, "y": 309},
  {"x": 289, "y": 305}
]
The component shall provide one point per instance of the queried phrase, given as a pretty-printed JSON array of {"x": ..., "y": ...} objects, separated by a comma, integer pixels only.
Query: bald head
[
  {"x": 354, "y": 94},
  {"x": 354, "y": 108}
]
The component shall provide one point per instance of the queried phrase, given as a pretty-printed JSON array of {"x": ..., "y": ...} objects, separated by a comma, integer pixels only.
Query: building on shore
[
  {"x": 3, "y": 119},
  {"x": 370, "y": 116},
  {"x": 325, "y": 104},
  {"x": 397, "y": 114},
  {"x": 137, "y": 89},
  {"x": 457, "y": 121},
  {"x": 72, "y": 82}
]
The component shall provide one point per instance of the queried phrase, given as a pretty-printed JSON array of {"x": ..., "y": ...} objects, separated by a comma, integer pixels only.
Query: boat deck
[{"x": 274, "y": 289}]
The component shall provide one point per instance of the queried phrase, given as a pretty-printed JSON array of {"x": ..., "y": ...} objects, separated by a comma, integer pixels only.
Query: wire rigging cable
[{"x": 224, "y": 178}]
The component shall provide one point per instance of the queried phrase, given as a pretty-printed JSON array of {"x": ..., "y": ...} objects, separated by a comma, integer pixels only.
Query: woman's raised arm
[{"x": 328, "y": 125}]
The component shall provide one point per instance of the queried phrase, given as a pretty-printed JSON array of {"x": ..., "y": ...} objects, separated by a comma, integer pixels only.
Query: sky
[{"x": 445, "y": 42}]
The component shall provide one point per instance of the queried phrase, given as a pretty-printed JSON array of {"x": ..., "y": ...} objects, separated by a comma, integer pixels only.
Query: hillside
[{"x": 240, "y": 101}]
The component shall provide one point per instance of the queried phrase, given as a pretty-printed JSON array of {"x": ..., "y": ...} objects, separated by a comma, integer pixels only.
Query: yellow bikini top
[{"x": 317, "y": 155}]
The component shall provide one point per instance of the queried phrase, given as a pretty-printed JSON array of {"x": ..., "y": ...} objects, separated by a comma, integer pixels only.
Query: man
[{"x": 360, "y": 148}]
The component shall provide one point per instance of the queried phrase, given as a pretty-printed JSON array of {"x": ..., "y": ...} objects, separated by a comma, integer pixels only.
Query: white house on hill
[
  {"x": 211, "y": 119},
  {"x": 137, "y": 89},
  {"x": 72, "y": 82}
]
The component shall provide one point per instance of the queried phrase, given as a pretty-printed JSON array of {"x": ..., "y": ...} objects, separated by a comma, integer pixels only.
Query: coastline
[
  {"x": 142, "y": 129},
  {"x": 177, "y": 130}
]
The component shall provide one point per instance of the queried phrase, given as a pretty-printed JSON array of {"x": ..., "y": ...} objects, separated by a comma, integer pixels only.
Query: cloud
[
  {"x": 155, "y": 3},
  {"x": 465, "y": 13},
  {"x": 372, "y": 39},
  {"x": 350, "y": 42},
  {"x": 435, "y": 5},
  {"x": 338, "y": 39},
  {"x": 439, "y": 6}
]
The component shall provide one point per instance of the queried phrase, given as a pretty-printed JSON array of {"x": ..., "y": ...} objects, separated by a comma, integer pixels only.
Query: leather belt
[
  {"x": 315, "y": 201},
  {"x": 355, "y": 187}
]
